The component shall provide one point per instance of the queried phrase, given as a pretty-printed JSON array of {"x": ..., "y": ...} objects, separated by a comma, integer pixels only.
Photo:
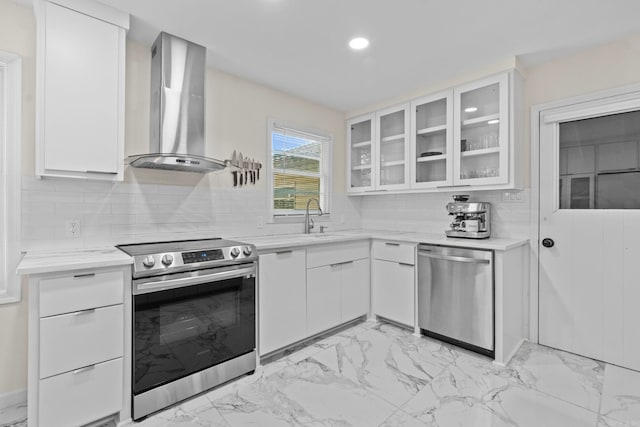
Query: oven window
[{"x": 181, "y": 331}]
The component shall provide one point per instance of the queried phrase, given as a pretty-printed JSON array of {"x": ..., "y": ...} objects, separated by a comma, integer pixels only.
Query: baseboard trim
[{"x": 13, "y": 398}]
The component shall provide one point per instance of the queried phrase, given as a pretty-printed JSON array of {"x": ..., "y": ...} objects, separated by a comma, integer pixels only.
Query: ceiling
[{"x": 300, "y": 46}]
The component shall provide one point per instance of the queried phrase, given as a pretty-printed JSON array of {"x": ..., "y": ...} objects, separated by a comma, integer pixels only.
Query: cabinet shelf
[
  {"x": 360, "y": 167},
  {"x": 361, "y": 144},
  {"x": 394, "y": 163},
  {"x": 431, "y": 158},
  {"x": 480, "y": 152},
  {"x": 432, "y": 129},
  {"x": 393, "y": 138},
  {"x": 480, "y": 121}
]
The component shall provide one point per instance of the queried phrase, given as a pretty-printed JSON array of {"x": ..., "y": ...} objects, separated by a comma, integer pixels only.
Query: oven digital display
[{"x": 201, "y": 256}]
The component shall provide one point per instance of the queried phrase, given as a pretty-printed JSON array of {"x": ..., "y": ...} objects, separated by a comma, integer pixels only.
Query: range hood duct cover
[{"x": 177, "y": 108}]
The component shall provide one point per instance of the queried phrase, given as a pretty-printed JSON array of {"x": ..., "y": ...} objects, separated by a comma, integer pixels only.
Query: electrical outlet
[
  {"x": 260, "y": 221},
  {"x": 72, "y": 228},
  {"x": 512, "y": 196}
]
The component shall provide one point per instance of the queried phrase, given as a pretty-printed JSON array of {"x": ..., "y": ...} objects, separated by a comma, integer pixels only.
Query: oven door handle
[{"x": 161, "y": 285}]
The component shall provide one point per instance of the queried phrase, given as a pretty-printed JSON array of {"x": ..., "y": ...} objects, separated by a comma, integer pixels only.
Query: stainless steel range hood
[{"x": 177, "y": 108}]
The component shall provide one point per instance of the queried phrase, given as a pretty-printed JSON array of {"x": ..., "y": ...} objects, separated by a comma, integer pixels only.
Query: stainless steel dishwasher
[{"x": 455, "y": 296}]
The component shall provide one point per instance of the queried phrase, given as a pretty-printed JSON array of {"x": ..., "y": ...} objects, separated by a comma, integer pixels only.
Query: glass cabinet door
[
  {"x": 482, "y": 140},
  {"x": 392, "y": 169},
  {"x": 360, "y": 134},
  {"x": 432, "y": 141}
]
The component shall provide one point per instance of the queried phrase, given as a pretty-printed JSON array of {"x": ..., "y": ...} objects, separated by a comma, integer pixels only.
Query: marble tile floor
[{"x": 376, "y": 374}]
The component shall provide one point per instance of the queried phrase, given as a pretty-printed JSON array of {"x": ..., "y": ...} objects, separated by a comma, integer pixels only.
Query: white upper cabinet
[
  {"x": 463, "y": 136},
  {"x": 360, "y": 153},
  {"x": 392, "y": 143},
  {"x": 80, "y": 90},
  {"x": 481, "y": 133},
  {"x": 432, "y": 140}
]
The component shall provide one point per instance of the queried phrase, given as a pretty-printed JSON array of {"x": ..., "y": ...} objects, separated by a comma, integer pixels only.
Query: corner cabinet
[
  {"x": 80, "y": 79},
  {"x": 469, "y": 135},
  {"x": 378, "y": 156},
  {"x": 361, "y": 153}
]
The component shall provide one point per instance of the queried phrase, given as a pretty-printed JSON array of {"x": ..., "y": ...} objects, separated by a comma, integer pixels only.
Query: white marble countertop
[
  {"x": 282, "y": 241},
  {"x": 52, "y": 261}
]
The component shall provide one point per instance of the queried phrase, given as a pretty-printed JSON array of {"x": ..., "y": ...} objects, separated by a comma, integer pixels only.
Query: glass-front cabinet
[
  {"x": 392, "y": 131},
  {"x": 361, "y": 153},
  {"x": 432, "y": 141},
  {"x": 481, "y": 133},
  {"x": 462, "y": 136}
]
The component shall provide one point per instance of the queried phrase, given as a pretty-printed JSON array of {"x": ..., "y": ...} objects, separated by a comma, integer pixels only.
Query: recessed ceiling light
[
  {"x": 358, "y": 43},
  {"x": 471, "y": 110},
  {"x": 493, "y": 122}
]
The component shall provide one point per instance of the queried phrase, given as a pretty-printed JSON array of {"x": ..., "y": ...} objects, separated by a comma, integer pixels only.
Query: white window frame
[
  {"x": 326, "y": 172},
  {"x": 11, "y": 159}
]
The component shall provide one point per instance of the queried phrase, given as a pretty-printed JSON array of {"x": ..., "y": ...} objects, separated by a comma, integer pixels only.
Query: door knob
[{"x": 548, "y": 243}]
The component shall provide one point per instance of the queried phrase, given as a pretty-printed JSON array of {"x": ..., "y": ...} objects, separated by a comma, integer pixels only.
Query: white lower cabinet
[
  {"x": 76, "y": 347},
  {"x": 393, "y": 281},
  {"x": 81, "y": 396},
  {"x": 323, "y": 298},
  {"x": 282, "y": 299},
  {"x": 336, "y": 294},
  {"x": 303, "y": 292}
]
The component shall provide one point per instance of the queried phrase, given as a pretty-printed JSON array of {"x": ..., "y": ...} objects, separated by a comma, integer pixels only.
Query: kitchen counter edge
[
  {"x": 54, "y": 261},
  {"x": 266, "y": 244}
]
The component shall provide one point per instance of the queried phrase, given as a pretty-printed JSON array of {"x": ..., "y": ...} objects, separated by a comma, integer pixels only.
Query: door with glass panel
[
  {"x": 361, "y": 153},
  {"x": 481, "y": 138},
  {"x": 589, "y": 230},
  {"x": 432, "y": 141},
  {"x": 392, "y": 136}
]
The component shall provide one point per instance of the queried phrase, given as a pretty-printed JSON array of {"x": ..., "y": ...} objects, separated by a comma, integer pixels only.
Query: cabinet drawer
[
  {"x": 394, "y": 251},
  {"x": 82, "y": 396},
  {"x": 334, "y": 254},
  {"x": 80, "y": 292},
  {"x": 73, "y": 340}
]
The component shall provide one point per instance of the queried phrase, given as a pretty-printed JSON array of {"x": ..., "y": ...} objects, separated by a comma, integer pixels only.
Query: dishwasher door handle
[{"x": 454, "y": 258}]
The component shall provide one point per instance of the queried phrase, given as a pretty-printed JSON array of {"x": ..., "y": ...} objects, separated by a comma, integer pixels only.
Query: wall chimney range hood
[{"x": 177, "y": 108}]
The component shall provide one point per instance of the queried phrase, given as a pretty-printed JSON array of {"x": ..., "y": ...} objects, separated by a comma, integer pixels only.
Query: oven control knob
[
  {"x": 246, "y": 250},
  {"x": 149, "y": 261},
  {"x": 167, "y": 260},
  {"x": 235, "y": 252}
]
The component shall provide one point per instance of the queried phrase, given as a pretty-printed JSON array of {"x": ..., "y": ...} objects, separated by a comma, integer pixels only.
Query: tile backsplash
[
  {"x": 426, "y": 212},
  {"x": 115, "y": 213}
]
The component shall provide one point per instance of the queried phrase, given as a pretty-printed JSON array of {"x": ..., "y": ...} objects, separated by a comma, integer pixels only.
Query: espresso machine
[{"x": 471, "y": 220}]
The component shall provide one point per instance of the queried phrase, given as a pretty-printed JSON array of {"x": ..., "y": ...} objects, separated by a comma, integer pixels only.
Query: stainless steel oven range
[{"x": 194, "y": 318}]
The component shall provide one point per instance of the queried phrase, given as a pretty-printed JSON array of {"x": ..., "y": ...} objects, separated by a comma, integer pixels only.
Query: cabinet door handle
[
  {"x": 84, "y": 276},
  {"x": 102, "y": 172},
  {"x": 85, "y": 369},
  {"x": 83, "y": 312},
  {"x": 392, "y": 244},
  {"x": 284, "y": 252},
  {"x": 341, "y": 263}
]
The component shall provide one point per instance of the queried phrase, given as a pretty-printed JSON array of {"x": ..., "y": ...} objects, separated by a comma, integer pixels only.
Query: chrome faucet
[{"x": 308, "y": 222}]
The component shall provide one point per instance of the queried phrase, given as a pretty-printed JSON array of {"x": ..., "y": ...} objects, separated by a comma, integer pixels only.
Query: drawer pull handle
[
  {"x": 84, "y": 276},
  {"x": 85, "y": 369},
  {"x": 83, "y": 312},
  {"x": 342, "y": 263},
  {"x": 406, "y": 264},
  {"x": 392, "y": 244},
  {"x": 284, "y": 252}
]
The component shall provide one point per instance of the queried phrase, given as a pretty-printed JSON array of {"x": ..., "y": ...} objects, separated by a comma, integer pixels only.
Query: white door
[{"x": 589, "y": 235}]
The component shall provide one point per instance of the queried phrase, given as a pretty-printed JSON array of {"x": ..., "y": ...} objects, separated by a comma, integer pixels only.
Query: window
[
  {"x": 10, "y": 140},
  {"x": 299, "y": 169},
  {"x": 600, "y": 162}
]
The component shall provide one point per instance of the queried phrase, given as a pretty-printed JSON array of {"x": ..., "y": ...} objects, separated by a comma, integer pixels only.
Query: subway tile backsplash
[{"x": 115, "y": 213}]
